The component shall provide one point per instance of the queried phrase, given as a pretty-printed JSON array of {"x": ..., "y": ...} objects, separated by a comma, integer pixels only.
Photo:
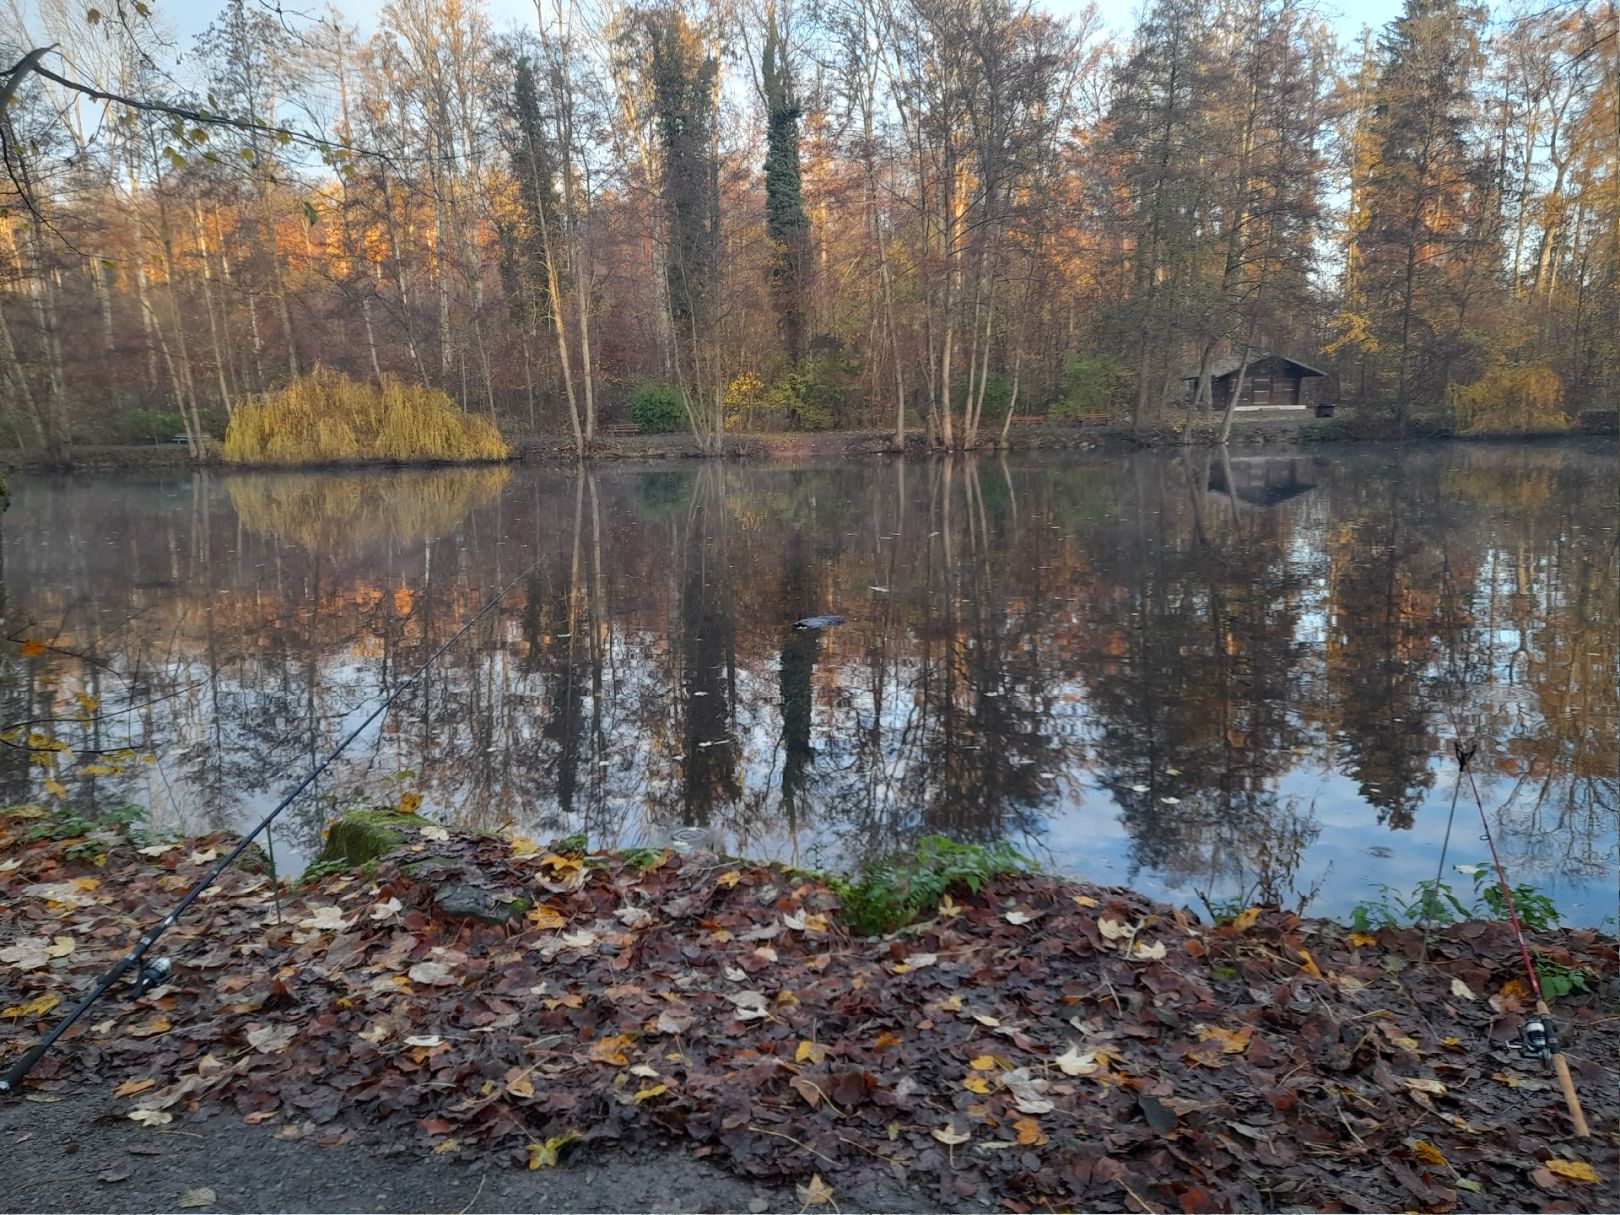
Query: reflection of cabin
[
  {"x": 1265, "y": 480},
  {"x": 1271, "y": 382}
]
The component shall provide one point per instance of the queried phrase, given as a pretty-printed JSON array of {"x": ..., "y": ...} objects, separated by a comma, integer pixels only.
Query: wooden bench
[
  {"x": 1028, "y": 419},
  {"x": 620, "y": 430}
]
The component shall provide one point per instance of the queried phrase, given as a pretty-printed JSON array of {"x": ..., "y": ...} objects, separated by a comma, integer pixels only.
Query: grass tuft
[{"x": 326, "y": 416}]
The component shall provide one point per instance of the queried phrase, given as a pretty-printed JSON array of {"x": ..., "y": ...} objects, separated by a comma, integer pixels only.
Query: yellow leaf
[
  {"x": 610, "y": 1049},
  {"x": 1507, "y": 1078},
  {"x": 55, "y": 787},
  {"x": 1363, "y": 938},
  {"x": 815, "y": 922},
  {"x": 1085, "y": 900},
  {"x": 99, "y": 769},
  {"x": 59, "y": 947},
  {"x": 647, "y": 1094},
  {"x": 983, "y": 1063},
  {"x": 1575, "y": 1170},
  {"x": 520, "y": 1086},
  {"x": 446, "y": 1145},
  {"x": 544, "y": 916},
  {"x": 544, "y": 1155},
  {"x": 729, "y": 878},
  {"x": 813, "y": 1051},
  {"x": 130, "y": 1087},
  {"x": 1428, "y": 1153},
  {"x": 522, "y": 845},
  {"x": 409, "y": 803},
  {"x": 1515, "y": 987},
  {"x": 1244, "y": 920},
  {"x": 562, "y": 865},
  {"x": 1310, "y": 966},
  {"x": 40, "y": 1004},
  {"x": 1422, "y": 1084},
  {"x": 1029, "y": 1132},
  {"x": 1462, "y": 991},
  {"x": 1233, "y": 1041},
  {"x": 817, "y": 1193},
  {"x": 976, "y": 1084}
]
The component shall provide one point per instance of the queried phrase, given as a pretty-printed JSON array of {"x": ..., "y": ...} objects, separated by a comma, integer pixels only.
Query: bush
[
  {"x": 1091, "y": 384},
  {"x": 656, "y": 408},
  {"x": 325, "y": 416},
  {"x": 1511, "y": 398},
  {"x": 817, "y": 392},
  {"x": 152, "y": 425}
]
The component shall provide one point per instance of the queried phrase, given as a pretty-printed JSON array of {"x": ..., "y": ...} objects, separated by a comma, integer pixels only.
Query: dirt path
[{"x": 76, "y": 1151}]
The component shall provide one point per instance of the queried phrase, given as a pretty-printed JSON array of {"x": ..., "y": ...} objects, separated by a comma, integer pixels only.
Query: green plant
[
  {"x": 656, "y": 408},
  {"x": 1558, "y": 980},
  {"x": 152, "y": 425},
  {"x": 884, "y": 895},
  {"x": 68, "y": 823},
  {"x": 1431, "y": 902},
  {"x": 643, "y": 859},
  {"x": 1535, "y": 910}
]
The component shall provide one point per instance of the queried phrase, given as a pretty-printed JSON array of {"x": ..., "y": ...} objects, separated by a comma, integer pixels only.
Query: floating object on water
[{"x": 818, "y": 622}]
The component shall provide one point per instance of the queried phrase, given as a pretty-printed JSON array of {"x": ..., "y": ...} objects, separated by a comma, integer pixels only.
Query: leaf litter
[{"x": 1051, "y": 1057}]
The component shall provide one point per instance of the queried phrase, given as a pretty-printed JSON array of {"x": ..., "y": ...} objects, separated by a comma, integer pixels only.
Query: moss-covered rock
[
  {"x": 364, "y": 835},
  {"x": 462, "y": 901}
]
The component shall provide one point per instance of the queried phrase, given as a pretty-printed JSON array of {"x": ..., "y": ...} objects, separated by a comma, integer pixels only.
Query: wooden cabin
[{"x": 1273, "y": 381}]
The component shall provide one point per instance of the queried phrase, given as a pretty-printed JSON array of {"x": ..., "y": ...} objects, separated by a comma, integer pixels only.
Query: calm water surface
[{"x": 1235, "y": 678}]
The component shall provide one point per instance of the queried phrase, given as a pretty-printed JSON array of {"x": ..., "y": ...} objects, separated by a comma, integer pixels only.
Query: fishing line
[{"x": 147, "y": 975}]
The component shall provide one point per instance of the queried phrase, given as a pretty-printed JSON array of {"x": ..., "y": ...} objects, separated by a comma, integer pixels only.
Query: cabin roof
[{"x": 1227, "y": 364}]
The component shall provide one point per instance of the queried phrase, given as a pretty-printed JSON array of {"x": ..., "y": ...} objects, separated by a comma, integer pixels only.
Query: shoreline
[
  {"x": 776, "y": 447},
  {"x": 1032, "y": 1043}
]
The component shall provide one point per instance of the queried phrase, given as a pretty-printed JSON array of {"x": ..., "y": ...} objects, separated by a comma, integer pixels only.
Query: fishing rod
[
  {"x": 149, "y": 974},
  {"x": 1538, "y": 1038}
]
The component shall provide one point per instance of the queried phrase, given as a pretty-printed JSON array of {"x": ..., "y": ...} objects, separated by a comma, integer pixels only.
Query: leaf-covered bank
[{"x": 1040, "y": 1043}]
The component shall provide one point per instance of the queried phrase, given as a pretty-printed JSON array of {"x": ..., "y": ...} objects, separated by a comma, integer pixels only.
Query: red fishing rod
[{"x": 1537, "y": 1039}]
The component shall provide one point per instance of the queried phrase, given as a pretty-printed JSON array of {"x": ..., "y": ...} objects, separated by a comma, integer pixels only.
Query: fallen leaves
[
  {"x": 431, "y": 974},
  {"x": 1574, "y": 1170},
  {"x": 973, "y": 1052},
  {"x": 38, "y": 1006},
  {"x": 544, "y": 1155},
  {"x": 147, "y": 1117},
  {"x": 201, "y": 1196},
  {"x": 815, "y": 1192}
]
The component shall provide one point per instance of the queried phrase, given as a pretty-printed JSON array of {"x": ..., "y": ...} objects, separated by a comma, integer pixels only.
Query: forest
[{"x": 922, "y": 217}]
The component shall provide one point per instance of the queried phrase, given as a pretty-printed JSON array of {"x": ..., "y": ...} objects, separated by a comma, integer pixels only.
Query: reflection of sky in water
[{"x": 1042, "y": 648}]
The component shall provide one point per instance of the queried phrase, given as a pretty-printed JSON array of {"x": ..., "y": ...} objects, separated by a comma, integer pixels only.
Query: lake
[{"x": 1221, "y": 679}]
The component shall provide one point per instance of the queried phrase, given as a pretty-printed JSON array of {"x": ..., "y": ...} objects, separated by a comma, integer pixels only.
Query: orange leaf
[
  {"x": 32, "y": 649},
  {"x": 1310, "y": 966},
  {"x": 1029, "y": 1132}
]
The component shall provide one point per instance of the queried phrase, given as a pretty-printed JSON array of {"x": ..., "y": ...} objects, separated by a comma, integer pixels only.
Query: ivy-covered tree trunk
[{"x": 786, "y": 224}]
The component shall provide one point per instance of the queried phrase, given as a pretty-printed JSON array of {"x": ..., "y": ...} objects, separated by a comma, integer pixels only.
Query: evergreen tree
[{"x": 785, "y": 221}]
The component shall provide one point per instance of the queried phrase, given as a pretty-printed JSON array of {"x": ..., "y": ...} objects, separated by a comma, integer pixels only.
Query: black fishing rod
[
  {"x": 1538, "y": 1039},
  {"x": 150, "y": 973}
]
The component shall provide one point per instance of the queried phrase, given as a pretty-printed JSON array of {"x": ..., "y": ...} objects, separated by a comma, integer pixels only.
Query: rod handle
[{"x": 1567, "y": 1083}]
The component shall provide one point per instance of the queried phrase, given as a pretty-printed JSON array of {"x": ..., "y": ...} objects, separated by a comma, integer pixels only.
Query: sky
[{"x": 191, "y": 17}]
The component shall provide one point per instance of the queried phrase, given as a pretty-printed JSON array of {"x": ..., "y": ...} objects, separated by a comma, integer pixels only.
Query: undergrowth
[
  {"x": 326, "y": 416},
  {"x": 888, "y": 894}
]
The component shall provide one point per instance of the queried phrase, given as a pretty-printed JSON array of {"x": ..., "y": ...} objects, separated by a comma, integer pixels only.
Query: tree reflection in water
[{"x": 1221, "y": 673}]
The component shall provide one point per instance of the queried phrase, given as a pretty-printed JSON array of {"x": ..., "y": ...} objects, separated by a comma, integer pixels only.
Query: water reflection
[{"x": 1196, "y": 673}]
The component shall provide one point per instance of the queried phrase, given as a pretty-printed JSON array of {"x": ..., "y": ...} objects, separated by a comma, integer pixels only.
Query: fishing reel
[
  {"x": 150, "y": 975},
  {"x": 1537, "y": 1039}
]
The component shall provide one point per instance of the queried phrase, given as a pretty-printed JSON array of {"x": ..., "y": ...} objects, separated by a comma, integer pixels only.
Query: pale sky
[{"x": 191, "y": 17}]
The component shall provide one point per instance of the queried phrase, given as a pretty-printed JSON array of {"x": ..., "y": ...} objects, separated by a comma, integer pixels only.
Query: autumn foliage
[
  {"x": 1033, "y": 1045},
  {"x": 326, "y": 416},
  {"x": 1510, "y": 397}
]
